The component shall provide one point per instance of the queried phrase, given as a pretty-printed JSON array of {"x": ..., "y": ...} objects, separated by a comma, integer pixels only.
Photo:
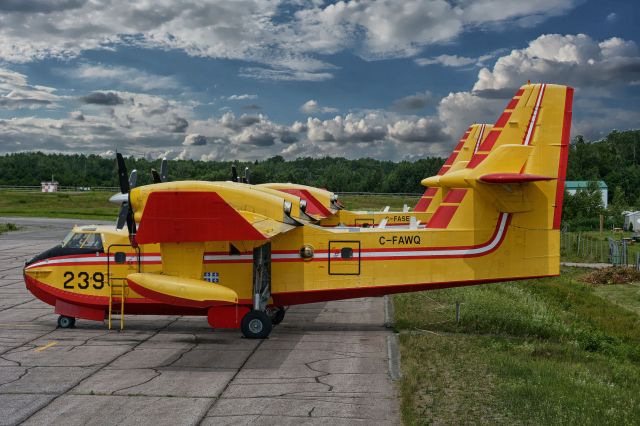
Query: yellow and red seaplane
[{"x": 240, "y": 253}]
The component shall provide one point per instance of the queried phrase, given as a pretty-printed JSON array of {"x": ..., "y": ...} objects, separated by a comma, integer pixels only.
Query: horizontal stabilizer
[
  {"x": 181, "y": 291},
  {"x": 504, "y": 178},
  {"x": 504, "y": 160}
]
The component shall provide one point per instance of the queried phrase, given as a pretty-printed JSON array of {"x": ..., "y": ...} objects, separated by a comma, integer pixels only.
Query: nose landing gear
[{"x": 66, "y": 322}]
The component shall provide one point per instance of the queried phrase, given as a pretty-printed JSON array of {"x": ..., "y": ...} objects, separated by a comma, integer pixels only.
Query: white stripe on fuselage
[{"x": 412, "y": 253}]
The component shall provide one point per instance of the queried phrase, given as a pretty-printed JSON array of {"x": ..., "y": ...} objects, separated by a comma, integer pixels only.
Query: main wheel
[
  {"x": 256, "y": 325},
  {"x": 277, "y": 315},
  {"x": 66, "y": 322}
]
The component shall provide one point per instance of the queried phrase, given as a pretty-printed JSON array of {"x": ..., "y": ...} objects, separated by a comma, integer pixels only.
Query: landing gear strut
[
  {"x": 66, "y": 322},
  {"x": 256, "y": 324}
]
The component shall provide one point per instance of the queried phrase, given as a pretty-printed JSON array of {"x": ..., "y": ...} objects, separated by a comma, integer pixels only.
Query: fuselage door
[
  {"x": 122, "y": 260},
  {"x": 344, "y": 258}
]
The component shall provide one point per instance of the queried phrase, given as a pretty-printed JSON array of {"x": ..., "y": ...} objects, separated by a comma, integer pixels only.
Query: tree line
[
  {"x": 336, "y": 174},
  {"x": 614, "y": 159}
]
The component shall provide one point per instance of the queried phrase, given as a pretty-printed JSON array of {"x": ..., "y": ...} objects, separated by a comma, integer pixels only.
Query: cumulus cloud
[
  {"x": 242, "y": 97},
  {"x": 312, "y": 107},
  {"x": 177, "y": 124},
  {"x": 142, "y": 122},
  {"x": 283, "y": 45},
  {"x": 261, "y": 73},
  {"x": 124, "y": 77},
  {"x": 195, "y": 140},
  {"x": 16, "y": 93},
  {"x": 446, "y": 60},
  {"x": 415, "y": 102},
  {"x": 596, "y": 68},
  {"x": 153, "y": 124},
  {"x": 455, "y": 61},
  {"x": 102, "y": 98},
  {"x": 76, "y": 115},
  {"x": 420, "y": 130},
  {"x": 576, "y": 60}
]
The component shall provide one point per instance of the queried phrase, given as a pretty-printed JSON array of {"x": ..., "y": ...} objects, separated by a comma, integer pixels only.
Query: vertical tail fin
[{"x": 520, "y": 167}]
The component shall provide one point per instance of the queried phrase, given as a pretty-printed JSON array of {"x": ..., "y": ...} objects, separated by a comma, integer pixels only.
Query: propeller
[
  {"x": 162, "y": 176},
  {"x": 234, "y": 173},
  {"x": 126, "y": 184}
]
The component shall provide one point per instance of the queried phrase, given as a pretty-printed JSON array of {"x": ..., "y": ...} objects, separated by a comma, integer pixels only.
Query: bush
[{"x": 612, "y": 275}]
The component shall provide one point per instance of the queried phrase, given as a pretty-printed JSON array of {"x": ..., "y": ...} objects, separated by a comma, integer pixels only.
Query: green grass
[
  {"x": 552, "y": 351},
  {"x": 8, "y": 227},
  {"x": 76, "y": 205},
  {"x": 624, "y": 295}
]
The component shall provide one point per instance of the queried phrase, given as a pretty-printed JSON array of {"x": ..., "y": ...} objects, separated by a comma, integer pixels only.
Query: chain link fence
[{"x": 584, "y": 248}]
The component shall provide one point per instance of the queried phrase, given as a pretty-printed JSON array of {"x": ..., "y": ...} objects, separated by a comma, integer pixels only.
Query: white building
[
  {"x": 631, "y": 221},
  {"x": 51, "y": 186},
  {"x": 573, "y": 186}
]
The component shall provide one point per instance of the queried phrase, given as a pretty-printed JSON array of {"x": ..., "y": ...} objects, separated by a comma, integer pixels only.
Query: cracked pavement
[{"x": 327, "y": 363}]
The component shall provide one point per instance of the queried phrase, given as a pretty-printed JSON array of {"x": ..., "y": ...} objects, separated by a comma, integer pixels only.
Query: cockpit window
[{"x": 80, "y": 240}]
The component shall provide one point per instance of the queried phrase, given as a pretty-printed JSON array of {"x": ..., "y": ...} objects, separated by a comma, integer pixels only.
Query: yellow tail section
[
  {"x": 519, "y": 167},
  {"x": 459, "y": 158}
]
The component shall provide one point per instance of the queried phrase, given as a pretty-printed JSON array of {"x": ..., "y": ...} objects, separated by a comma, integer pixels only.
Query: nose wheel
[
  {"x": 66, "y": 322},
  {"x": 256, "y": 325}
]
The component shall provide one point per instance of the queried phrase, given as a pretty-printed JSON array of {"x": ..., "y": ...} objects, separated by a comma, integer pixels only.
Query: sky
[{"x": 250, "y": 79}]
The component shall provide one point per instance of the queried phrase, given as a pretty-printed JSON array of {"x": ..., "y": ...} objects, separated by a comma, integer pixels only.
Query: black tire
[
  {"x": 66, "y": 322},
  {"x": 277, "y": 315},
  {"x": 256, "y": 325}
]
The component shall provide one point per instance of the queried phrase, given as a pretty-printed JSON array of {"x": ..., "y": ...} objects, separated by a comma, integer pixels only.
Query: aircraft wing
[
  {"x": 265, "y": 225},
  {"x": 199, "y": 216}
]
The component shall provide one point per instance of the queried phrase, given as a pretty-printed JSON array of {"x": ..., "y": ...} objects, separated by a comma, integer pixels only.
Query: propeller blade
[
  {"x": 131, "y": 223},
  {"x": 164, "y": 170},
  {"x": 156, "y": 176},
  {"x": 122, "y": 215},
  {"x": 133, "y": 178},
  {"x": 234, "y": 173},
  {"x": 122, "y": 174}
]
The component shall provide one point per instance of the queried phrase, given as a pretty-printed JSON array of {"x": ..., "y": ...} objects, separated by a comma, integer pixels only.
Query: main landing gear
[
  {"x": 276, "y": 314},
  {"x": 66, "y": 322},
  {"x": 256, "y": 325}
]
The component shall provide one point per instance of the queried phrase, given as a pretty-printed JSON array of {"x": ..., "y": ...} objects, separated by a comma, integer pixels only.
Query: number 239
[{"x": 84, "y": 280}]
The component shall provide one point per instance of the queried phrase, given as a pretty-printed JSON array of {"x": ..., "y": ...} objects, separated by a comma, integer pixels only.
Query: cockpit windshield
[{"x": 82, "y": 240}]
